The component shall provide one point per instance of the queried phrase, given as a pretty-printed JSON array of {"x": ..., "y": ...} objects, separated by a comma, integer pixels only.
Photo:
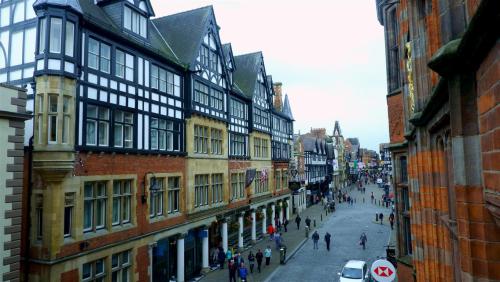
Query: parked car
[{"x": 354, "y": 271}]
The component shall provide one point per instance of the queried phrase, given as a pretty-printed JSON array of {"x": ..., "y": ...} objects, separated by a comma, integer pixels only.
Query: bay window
[
  {"x": 70, "y": 39},
  {"x": 52, "y": 118},
  {"x": 164, "y": 135},
  {"x": 201, "y": 93},
  {"x": 217, "y": 100},
  {"x": 42, "y": 31},
  {"x": 55, "y": 35}
]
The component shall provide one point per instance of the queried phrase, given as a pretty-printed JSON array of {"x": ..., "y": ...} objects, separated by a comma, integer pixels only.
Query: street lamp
[{"x": 153, "y": 186}]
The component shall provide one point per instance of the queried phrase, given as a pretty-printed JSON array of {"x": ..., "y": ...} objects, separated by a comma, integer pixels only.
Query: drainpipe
[{"x": 29, "y": 150}]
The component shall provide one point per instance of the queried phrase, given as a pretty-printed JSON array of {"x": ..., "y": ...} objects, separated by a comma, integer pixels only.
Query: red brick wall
[
  {"x": 142, "y": 263},
  {"x": 70, "y": 276},
  {"x": 405, "y": 273},
  {"x": 396, "y": 118}
]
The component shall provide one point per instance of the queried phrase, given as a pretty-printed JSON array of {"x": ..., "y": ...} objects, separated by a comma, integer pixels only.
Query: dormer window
[{"x": 135, "y": 22}]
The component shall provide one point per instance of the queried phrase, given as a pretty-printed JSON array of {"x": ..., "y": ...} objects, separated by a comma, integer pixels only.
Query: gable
[{"x": 210, "y": 62}]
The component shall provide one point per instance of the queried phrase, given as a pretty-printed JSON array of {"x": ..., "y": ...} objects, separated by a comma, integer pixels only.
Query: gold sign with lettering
[{"x": 409, "y": 72}]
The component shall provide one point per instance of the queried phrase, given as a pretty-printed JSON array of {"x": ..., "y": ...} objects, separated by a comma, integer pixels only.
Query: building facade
[
  {"x": 12, "y": 117},
  {"x": 442, "y": 70},
  {"x": 152, "y": 142}
]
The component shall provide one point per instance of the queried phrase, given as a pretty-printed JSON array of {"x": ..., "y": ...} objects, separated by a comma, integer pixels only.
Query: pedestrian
[
  {"x": 221, "y": 257},
  {"x": 267, "y": 254},
  {"x": 277, "y": 223},
  {"x": 251, "y": 261},
  {"x": 259, "y": 256},
  {"x": 232, "y": 270},
  {"x": 381, "y": 217},
  {"x": 277, "y": 240},
  {"x": 270, "y": 231},
  {"x": 238, "y": 258},
  {"x": 229, "y": 255},
  {"x": 373, "y": 197},
  {"x": 308, "y": 222},
  {"x": 297, "y": 221},
  {"x": 327, "y": 240},
  {"x": 363, "y": 240},
  {"x": 285, "y": 224},
  {"x": 391, "y": 220},
  {"x": 315, "y": 238},
  {"x": 243, "y": 272}
]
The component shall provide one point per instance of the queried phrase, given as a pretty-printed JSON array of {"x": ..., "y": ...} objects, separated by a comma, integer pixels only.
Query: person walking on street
[
  {"x": 277, "y": 240},
  {"x": 363, "y": 240},
  {"x": 229, "y": 255},
  {"x": 327, "y": 240},
  {"x": 373, "y": 197},
  {"x": 315, "y": 238},
  {"x": 381, "y": 217},
  {"x": 308, "y": 222},
  {"x": 259, "y": 256},
  {"x": 267, "y": 254},
  {"x": 285, "y": 224},
  {"x": 297, "y": 220},
  {"x": 221, "y": 257},
  {"x": 232, "y": 270},
  {"x": 391, "y": 220},
  {"x": 251, "y": 261},
  {"x": 270, "y": 231},
  {"x": 243, "y": 272}
]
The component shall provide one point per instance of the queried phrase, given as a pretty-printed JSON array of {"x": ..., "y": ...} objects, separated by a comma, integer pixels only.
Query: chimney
[{"x": 278, "y": 98}]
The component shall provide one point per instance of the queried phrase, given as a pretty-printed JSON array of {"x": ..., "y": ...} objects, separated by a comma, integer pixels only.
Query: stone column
[
  {"x": 288, "y": 209},
  {"x": 273, "y": 215},
  {"x": 224, "y": 236},
  {"x": 205, "y": 254},
  {"x": 264, "y": 220},
  {"x": 240, "y": 231},
  {"x": 254, "y": 227},
  {"x": 180, "y": 258}
]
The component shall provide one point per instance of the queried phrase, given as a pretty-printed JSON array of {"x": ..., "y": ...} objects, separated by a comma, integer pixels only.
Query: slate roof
[
  {"x": 309, "y": 143},
  {"x": 287, "y": 110},
  {"x": 245, "y": 75},
  {"x": 73, "y": 4},
  {"x": 353, "y": 141},
  {"x": 185, "y": 31}
]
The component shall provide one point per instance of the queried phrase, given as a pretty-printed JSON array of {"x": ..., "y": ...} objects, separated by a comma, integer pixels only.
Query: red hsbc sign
[{"x": 383, "y": 271}]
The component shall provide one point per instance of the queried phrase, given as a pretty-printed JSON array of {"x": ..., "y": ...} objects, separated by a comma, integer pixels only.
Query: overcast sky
[{"x": 329, "y": 55}]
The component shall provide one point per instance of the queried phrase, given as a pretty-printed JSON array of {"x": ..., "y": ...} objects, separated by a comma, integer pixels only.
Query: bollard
[
  {"x": 315, "y": 223},
  {"x": 307, "y": 232},
  {"x": 376, "y": 217}
]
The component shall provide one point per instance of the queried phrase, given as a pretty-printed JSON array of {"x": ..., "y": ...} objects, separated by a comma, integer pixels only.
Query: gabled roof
[
  {"x": 73, "y": 4},
  {"x": 287, "y": 110},
  {"x": 228, "y": 53},
  {"x": 184, "y": 31},
  {"x": 246, "y": 74}
]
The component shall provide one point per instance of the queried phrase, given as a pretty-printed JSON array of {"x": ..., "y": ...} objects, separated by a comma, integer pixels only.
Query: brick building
[
  {"x": 442, "y": 77},
  {"x": 152, "y": 143}
]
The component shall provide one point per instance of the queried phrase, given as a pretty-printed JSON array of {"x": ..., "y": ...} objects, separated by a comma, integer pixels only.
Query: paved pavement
[
  {"x": 293, "y": 239},
  {"x": 345, "y": 225}
]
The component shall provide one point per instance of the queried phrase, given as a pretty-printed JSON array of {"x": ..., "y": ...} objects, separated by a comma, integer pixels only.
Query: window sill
[
  {"x": 122, "y": 227},
  {"x": 92, "y": 234}
]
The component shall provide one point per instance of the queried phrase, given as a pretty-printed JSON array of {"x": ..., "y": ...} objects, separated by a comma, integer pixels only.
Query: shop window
[
  {"x": 174, "y": 189},
  {"x": 69, "y": 206}
]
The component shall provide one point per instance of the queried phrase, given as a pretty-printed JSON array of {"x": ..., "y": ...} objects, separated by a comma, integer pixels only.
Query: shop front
[{"x": 165, "y": 259}]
